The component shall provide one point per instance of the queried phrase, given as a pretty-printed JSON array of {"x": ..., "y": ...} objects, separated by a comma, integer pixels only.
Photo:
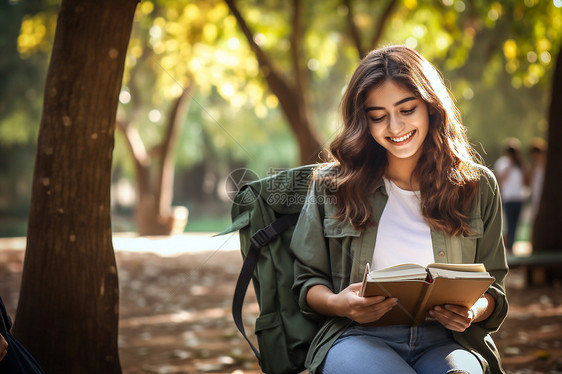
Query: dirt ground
[{"x": 175, "y": 315}]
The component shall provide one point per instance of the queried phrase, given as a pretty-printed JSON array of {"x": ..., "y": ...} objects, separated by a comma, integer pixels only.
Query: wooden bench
[{"x": 542, "y": 267}]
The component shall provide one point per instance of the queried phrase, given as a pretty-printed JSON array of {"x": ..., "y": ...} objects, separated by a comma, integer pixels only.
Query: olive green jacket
[{"x": 334, "y": 254}]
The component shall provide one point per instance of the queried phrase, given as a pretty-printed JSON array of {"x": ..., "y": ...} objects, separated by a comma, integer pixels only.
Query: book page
[
  {"x": 459, "y": 267},
  {"x": 458, "y": 271},
  {"x": 443, "y": 273},
  {"x": 398, "y": 272}
]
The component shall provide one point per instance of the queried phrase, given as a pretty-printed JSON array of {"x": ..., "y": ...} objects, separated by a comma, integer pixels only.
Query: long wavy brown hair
[{"x": 448, "y": 169}]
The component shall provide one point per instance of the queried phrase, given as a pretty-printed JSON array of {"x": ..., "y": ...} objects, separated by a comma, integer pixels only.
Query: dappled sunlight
[
  {"x": 176, "y": 314},
  {"x": 531, "y": 336},
  {"x": 175, "y": 311},
  {"x": 206, "y": 88},
  {"x": 162, "y": 245},
  {"x": 173, "y": 318},
  {"x": 176, "y": 244}
]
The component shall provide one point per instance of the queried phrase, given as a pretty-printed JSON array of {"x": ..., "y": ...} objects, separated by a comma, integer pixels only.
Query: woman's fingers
[
  {"x": 373, "y": 310},
  {"x": 453, "y": 317},
  {"x": 3, "y": 347}
]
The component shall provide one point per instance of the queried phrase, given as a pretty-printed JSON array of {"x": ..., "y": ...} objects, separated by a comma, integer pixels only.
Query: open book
[{"x": 419, "y": 289}]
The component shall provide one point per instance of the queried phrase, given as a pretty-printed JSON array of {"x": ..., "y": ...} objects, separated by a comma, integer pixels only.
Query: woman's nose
[{"x": 395, "y": 126}]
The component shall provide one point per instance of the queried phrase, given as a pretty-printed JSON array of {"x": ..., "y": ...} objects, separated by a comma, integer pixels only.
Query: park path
[{"x": 176, "y": 297}]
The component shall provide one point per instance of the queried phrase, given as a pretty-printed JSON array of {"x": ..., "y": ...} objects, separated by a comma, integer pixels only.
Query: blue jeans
[
  {"x": 423, "y": 349},
  {"x": 512, "y": 213}
]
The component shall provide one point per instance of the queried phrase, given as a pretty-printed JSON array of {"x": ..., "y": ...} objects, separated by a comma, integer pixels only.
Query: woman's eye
[
  {"x": 377, "y": 119},
  {"x": 409, "y": 111}
]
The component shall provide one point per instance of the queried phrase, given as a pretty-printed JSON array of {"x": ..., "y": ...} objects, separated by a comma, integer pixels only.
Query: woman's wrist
[
  {"x": 483, "y": 308},
  {"x": 333, "y": 305},
  {"x": 322, "y": 300}
]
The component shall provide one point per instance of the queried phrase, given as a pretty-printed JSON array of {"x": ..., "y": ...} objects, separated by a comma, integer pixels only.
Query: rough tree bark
[
  {"x": 546, "y": 230},
  {"x": 67, "y": 314}
]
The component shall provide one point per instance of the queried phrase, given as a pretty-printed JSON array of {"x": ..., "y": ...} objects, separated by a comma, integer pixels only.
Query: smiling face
[{"x": 398, "y": 120}]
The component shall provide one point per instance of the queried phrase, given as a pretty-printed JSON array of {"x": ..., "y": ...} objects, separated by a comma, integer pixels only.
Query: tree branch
[
  {"x": 355, "y": 34},
  {"x": 293, "y": 107},
  {"x": 297, "y": 52},
  {"x": 264, "y": 61},
  {"x": 275, "y": 81},
  {"x": 381, "y": 24},
  {"x": 134, "y": 142},
  {"x": 164, "y": 187}
]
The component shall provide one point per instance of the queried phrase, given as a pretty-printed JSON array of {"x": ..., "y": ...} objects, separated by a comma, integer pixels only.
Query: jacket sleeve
[
  {"x": 312, "y": 262},
  {"x": 491, "y": 250}
]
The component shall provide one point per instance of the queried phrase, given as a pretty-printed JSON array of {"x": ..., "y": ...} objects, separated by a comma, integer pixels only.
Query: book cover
[{"x": 419, "y": 289}]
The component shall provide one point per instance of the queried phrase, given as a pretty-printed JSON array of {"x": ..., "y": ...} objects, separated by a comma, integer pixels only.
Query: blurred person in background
[{"x": 512, "y": 177}]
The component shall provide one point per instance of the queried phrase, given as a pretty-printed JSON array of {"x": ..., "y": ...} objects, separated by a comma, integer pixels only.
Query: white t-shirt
[
  {"x": 512, "y": 184},
  {"x": 403, "y": 235}
]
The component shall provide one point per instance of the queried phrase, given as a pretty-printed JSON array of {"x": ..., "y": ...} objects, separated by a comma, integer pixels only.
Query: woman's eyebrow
[{"x": 405, "y": 100}]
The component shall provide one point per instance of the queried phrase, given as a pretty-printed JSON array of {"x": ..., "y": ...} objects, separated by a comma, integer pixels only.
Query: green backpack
[{"x": 265, "y": 212}]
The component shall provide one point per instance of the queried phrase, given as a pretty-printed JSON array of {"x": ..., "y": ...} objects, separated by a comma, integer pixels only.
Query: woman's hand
[
  {"x": 362, "y": 309},
  {"x": 453, "y": 317},
  {"x": 459, "y": 318},
  {"x": 3, "y": 347},
  {"x": 349, "y": 304}
]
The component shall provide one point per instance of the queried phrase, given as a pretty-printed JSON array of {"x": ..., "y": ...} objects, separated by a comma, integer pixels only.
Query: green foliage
[
  {"x": 535, "y": 29},
  {"x": 16, "y": 164},
  {"x": 25, "y": 42},
  {"x": 497, "y": 58},
  {"x": 179, "y": 43},
  {"x": 504, "y": 87}
]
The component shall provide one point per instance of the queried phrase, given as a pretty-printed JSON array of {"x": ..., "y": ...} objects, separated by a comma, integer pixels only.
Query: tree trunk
[
  {"x": 154, "y": 214},
  {"x": 306, "y": 134},
  {"x": 546, "y": 230},
  {"x": 166, "y": 166},
  {"x": 68, "y": 309},
  {"x": 292, "y": 97}
]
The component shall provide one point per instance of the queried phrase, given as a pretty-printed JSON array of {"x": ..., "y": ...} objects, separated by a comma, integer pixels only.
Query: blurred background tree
[
  {"x": 253, "y": 76},
  {"x": 22, "y": 77}
]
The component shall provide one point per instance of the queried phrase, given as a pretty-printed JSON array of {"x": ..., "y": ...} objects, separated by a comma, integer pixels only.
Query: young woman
[{"x": 407, "y": 188}]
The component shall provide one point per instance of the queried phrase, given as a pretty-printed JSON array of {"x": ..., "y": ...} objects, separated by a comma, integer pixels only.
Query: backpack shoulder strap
[{"x": 261, "y": 238}]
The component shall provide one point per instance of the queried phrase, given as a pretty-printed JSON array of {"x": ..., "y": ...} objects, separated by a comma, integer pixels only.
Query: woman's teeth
[{"x": 402, "y": 138}]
